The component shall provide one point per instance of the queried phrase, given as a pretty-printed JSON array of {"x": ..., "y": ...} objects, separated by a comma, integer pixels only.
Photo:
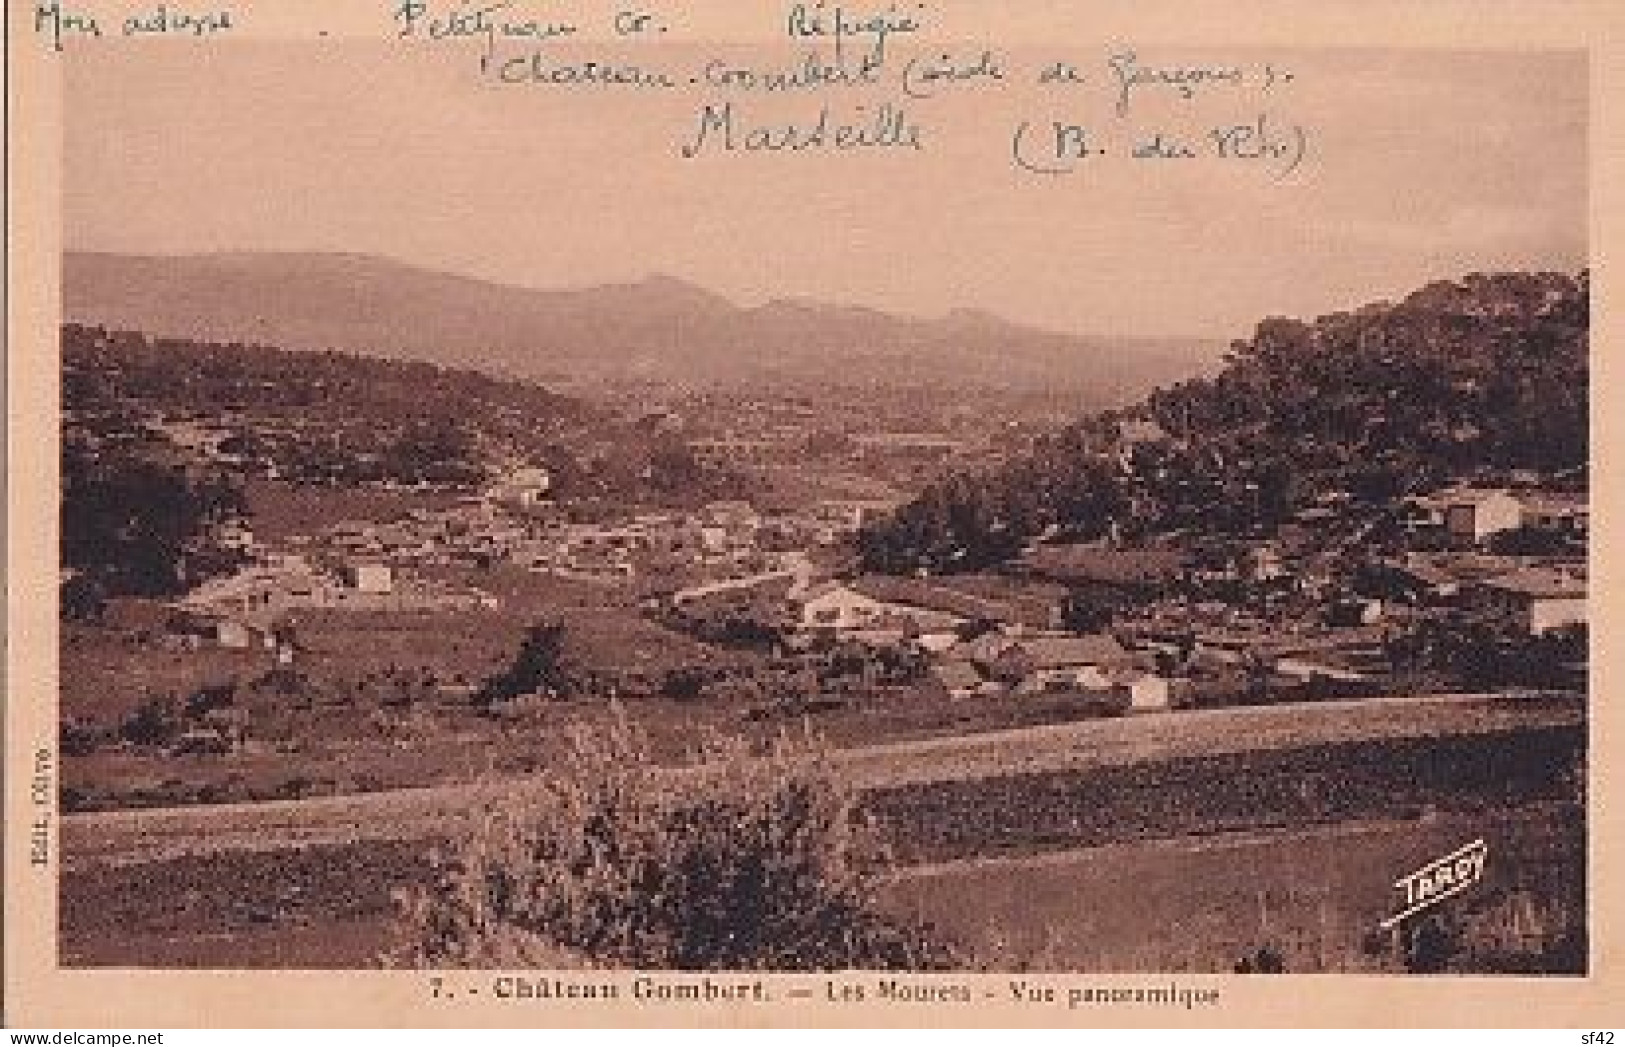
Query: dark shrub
[{"x": 734, "y": 863}]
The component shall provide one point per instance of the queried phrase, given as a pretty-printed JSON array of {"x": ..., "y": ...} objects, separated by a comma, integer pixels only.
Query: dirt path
[{"x": 123, "y": 837}]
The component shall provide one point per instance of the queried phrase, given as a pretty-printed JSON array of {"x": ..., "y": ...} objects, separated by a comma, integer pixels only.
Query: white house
[
  {"x": 235, "y": 534},
  {"x": 841, "y": 607},
  {"x": 959, "y": 679},
  {"x": 836, "y": 606},
  {"x": 1047, "y": 662},
  {"x": 1532, "y": 601},
  {"x": 1561, "y": 513},
  {"x": 1147, "y": 691},
  {"x": 230, "y": 632},
  {"x": 369, "y": 577},
  {"x": 1471, "y": 515},
  {"x": 523, "y": 487}
]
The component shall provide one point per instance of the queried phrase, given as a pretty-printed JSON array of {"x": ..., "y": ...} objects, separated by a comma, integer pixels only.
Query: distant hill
[
  {"x": 1474, "y": 378},
  {"x": 659, "y": 328},
  {"x": 338, "y": 419}
]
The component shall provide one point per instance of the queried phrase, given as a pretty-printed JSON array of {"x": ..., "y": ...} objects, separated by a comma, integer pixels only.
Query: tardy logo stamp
[{"x": 1440, "y": 879}]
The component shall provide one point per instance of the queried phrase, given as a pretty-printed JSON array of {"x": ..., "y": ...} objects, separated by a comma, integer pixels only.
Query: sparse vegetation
[{"x": 741, "y": 862}]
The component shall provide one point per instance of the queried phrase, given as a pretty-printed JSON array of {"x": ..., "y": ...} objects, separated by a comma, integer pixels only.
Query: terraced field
[
  {"x": 416, "y": 814},
  {"x": 1314, "y": 895},
  {"x": 1234, "y": 797}
]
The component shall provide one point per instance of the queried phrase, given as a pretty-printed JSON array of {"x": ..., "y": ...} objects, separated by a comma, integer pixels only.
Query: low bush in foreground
[{"x": 738, "y": 862}]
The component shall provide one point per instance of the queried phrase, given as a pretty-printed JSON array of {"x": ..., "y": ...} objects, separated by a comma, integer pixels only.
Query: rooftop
[
  {"x": 1095, "y": 563},
  {"x": 1061, "y": 651},
  {"x": 916, "y": 593},
  {"x": 1539, "y": 583}
]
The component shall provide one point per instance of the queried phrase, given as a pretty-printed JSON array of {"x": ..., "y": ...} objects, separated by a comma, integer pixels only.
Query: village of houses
[{"x": 1293, "y": 616}]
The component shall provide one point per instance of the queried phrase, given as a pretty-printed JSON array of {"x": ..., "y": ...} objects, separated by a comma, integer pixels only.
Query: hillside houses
[
  {"x": 239, "y": 609},
  {"x": 1531, "y": 601},
  {"x": 1562, "y": 513},
  {"x": 1041, "y": 663},
  {"x": 975, "y": 645},
  {"x": 922, "y": 607},
  {"x": 1018, "y": 665},
  {"x": 656, "y": 550},
  {"x": 260, "y": 591},
  {"x": 521, "y": 486},
  {"x": 1469, "y": 516},
  {"x": 1529, "y": 594},
  {"x": 843, "y": 608}
]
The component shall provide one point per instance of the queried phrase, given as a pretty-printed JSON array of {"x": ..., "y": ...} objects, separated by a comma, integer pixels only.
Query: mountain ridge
[{"x": 659, "y": 326}]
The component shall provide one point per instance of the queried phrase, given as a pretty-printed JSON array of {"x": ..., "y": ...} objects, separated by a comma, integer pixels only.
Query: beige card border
[{"x": 38, "y": 994}]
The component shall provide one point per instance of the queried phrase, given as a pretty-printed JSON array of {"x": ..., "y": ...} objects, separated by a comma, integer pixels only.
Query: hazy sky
[{"x": 1420, "y": 165}]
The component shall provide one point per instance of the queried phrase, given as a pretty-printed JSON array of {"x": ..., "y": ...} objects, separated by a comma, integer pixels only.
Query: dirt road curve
[{"x": 412, "y": 814}]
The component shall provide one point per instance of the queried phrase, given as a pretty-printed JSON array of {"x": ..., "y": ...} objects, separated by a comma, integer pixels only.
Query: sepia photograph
[{"x": 864, "y": 498}]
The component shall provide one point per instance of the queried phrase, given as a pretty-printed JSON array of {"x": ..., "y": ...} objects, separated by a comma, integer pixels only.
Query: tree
[
  {"x": 83, "y": 599},
  {"x": 156, "y": 721},
  {"x": 538, "y": 668},
  {"x": 141, "y": 521},
  {"x": 1085, "y": 612},
  {"x": 436, "y": 447},
  {"x": 685, "y": 683},
  {"x": 673, "y": 467},
  {"x": 1529, "y": 541}
]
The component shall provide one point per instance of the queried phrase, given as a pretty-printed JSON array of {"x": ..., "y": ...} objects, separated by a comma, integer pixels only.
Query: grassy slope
[
  {"x": 1312, "y": 895},
  {"x": 329, "y": 905}
]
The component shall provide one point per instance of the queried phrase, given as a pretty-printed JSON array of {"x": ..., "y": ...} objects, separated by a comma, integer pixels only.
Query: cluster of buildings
[
  {"x": 1467, "y": 517},
  {"x": 519, "y": 526},
  {"x": 892, "y": 454},
  {"x": 1317, "y": 603},
  {"x": 386, "y": 565},
  {"x": 257, "y": 605},
  {"x": 1312, "y": 600},
  {"x": 1528, "y": 596},
  {"x": 975, "y": 645}
]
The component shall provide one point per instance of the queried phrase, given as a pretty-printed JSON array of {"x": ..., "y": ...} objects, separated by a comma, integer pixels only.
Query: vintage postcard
[{"x": 572, "y": 512}]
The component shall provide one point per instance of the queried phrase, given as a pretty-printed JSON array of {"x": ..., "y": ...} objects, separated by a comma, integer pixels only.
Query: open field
[
  {"x": 326, "y": 906},
  {"x": 1198, "y": 904},
  {"x": 280, "y": 509},
  {"x": 106, "y": 674},
  {"x": 1157, "y": 737},
  {"x": 1284, "y": 787},
  {"x": 1314, "y": 896},
  {"x": 1302, "y": 821},
  {"x": 333, "y": 733},
  {"x": 938, "y": 772}
]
